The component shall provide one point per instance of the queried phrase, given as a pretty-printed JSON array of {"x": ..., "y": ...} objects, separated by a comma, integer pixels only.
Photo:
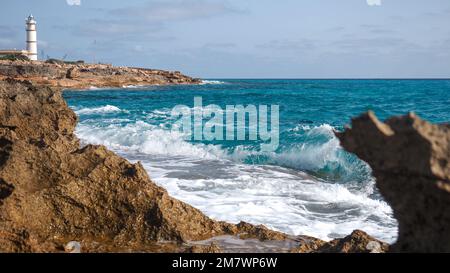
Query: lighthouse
[{"x": 31, "y": 38}]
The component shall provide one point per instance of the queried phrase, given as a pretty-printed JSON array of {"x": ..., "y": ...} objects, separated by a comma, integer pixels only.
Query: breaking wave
[
  {"x": 276, "y": 191},
  {"x": 319, "y": 153},
  {"x": 98, "y": 110},
  {"x": 309, "y": 186},
  {"x": 204, "y": 82},
  {"x": 142, "y": 137}
]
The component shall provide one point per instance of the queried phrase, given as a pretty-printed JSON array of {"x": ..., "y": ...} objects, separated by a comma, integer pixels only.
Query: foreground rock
[
  {"x": 53, "y": 192},
  {"x": 357, "y": 242},
  {"x": 410, "y": 159},
  {"x": 82, "y": 76}
]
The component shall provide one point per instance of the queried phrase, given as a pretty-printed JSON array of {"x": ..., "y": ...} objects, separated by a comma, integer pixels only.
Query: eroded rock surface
[
  {"x": 357, "y": 242},
  {"x": 410, "y": 159},
  {"x": 81, "y": 75}
]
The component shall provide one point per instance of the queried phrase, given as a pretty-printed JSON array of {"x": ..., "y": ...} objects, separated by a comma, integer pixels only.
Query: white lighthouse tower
[{"x": 31, "y": 38}]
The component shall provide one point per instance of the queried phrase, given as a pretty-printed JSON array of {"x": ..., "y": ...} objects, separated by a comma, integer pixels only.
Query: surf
[{"x": 309, "y": 185}]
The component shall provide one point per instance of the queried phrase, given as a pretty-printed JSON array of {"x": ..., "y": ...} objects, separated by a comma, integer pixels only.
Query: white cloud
[
  {"x": 163, "y": 11},
  {"x": 73, "y": 2},
  {"x": 374, "y": 2}
]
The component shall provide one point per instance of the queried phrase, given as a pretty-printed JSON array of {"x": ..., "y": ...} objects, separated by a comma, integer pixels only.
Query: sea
[{"x": 308, "y": 186}]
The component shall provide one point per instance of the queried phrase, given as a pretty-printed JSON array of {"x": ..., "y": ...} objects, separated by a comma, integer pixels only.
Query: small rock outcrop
[
  {"x": 52, "y": 191},
  {"x": 212, "y": 248},
  {"x": 357, "y": 242},
  {"x": 410, "y": 159}
]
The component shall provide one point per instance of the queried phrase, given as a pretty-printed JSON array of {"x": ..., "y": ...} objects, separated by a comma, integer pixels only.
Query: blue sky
[{"x": 243, "y": 38}]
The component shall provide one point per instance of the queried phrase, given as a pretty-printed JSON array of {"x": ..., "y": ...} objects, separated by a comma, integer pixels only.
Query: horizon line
[{"x": 229, "y": 78}]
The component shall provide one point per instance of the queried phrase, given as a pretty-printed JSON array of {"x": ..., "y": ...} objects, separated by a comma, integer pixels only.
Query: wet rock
[
  {"x": 357, "y": 242},
  {"x": 410, "y": 159},
  {"x": 375, "y": 247},
  {"x": 212, "y": 248},
  {"x": 308, "y": 245},
  {"x": 245, "y": 230},
  {"x": 73, "y": 247}
]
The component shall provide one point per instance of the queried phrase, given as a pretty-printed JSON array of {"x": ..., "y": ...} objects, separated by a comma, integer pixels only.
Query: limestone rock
[
  {"x": 73, "y": 73},
  {"x": 410, "y": 159},
  {"x": 246, "y": 230},
  {"x": 212, "y": 248},
  {"x": 78, "y": 75},
  {"x": 357, "y": 242}
]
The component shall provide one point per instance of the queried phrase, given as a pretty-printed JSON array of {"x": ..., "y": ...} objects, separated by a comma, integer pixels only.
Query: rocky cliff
[
  {"x": 410, "y": 159},
  {"x": 81, "y": 75}
]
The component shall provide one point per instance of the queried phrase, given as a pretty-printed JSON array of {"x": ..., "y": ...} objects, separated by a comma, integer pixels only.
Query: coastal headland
[
  {"x": 80, "y": 75},
  {"x": 54, "y": 192}
]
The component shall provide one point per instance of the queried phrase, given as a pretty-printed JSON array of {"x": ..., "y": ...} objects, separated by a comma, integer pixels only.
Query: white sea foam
[
  {"x": 94, "y": 88},
  {"x": 98, "y": 110},
  {"x": 204, "y": 82},
  {"x": 149, "y": 139},
  {"x": 145, "y": 138},
  {"x": 287, "y": 201},
  {"x": 139, "y": 86},
  {"x": 300, "y": 127},
  {"x": 214, "y": 181},
  {"x": 325, "y": 128}
]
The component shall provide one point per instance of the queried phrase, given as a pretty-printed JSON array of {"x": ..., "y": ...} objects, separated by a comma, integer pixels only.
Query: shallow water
[
  {"x": 308, "y": 186},
  {"x": 233, "y": 244}
]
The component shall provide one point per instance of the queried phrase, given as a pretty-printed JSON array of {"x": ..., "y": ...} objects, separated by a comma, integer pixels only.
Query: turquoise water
[{"x": 309, "y": 185}]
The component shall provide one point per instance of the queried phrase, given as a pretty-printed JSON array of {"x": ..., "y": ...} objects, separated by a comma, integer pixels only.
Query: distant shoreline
[
  {"x": 335, "y": 79},
  {"x": 69, "y": 75}
]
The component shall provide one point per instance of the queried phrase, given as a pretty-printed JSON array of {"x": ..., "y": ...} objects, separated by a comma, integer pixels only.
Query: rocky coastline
[
  {"x": 54, "y": 191},
  {"x": 79, "y": 75}
]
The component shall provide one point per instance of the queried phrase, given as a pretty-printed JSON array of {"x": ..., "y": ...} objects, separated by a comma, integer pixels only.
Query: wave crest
[
  {"x": 205, "y": 82},
  {"x": 319, "y": 151},
  {"x": 98, "y": 110},
  {"x": 147, "y": 139}
]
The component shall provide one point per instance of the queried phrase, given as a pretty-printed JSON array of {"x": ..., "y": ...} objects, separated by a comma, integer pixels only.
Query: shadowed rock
[
  {"x": 357, "y": 242},
  {"x": 410, "y": 160}
]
